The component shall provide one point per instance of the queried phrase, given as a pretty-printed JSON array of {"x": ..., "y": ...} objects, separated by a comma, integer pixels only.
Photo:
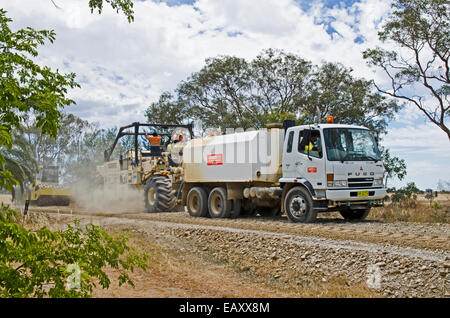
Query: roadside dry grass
[{"x": 419, "y": 210}]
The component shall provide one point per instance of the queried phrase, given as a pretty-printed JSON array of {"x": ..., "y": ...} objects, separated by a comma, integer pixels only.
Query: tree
[
  {"x": 334, "y": 91},
  {"x": 420, "y": 64},
  {"x": 167, "y": 110},
  {"x": 27, "y": 88},
  {"x": 219, "y": 93},
  {"x": 19, "y": 161},
  {"x": 41, "y": 263},
  {"x": 229, "y": 92},
  {"x": 48, "y": 150},
  {"x": 410, "y": 191},
  {"x": 280, "y": 83},
  {"x": 35, "y": 264},
  {"x": 126, "y": 6},
  {"x": 393, "y": 167}
]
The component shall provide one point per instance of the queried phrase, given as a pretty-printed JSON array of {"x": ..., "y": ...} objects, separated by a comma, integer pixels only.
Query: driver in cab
[{"x": 314, "y": 144}]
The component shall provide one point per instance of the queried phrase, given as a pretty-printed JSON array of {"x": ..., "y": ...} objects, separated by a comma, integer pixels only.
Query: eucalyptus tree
[
  {"x": 333, "y": 90},
  {"x": 26, "y": 87},
  {"x": 417, "y": 69}
]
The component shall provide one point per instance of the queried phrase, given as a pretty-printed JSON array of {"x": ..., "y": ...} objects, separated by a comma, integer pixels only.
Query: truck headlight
[
  {"x": 378, "y": 182},
  {"x": 340, "y": 183}
]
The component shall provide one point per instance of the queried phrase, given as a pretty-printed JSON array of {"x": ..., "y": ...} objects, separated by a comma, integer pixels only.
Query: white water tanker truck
[{"x": 299, "y": 170}]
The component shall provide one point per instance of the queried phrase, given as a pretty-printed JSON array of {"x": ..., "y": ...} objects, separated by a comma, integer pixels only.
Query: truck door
[
  {"x": 290, "y": 154},
  {"x": 310, "y": 163}
]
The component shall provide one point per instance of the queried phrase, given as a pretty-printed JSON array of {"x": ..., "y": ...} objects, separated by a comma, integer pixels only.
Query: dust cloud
[{"x": 117, "y": 198}]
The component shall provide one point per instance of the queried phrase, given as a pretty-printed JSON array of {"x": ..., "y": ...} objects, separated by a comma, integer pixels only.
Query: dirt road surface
[{"x": 266, "y": 257}]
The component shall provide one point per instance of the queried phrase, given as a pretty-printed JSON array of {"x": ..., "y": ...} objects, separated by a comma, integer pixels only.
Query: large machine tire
[
  {"x": 360, "y": 214},
  {"x": 299, "y": 206},
  {"x": 218, "y": 205},
  {"x": 197, "y": 202},
  {"x": 159, "y": 195}
]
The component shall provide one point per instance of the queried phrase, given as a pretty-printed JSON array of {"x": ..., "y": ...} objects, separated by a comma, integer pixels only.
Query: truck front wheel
[
  {"x": 360, "y": 214},
  {"x": 197, "y": 202},
  {"x": 218, "y": 205},
  {"x": 299, "y": 206}
]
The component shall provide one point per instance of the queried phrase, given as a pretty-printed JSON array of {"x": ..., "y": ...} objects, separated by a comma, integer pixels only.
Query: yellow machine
[{"x": 46, "y": 190}]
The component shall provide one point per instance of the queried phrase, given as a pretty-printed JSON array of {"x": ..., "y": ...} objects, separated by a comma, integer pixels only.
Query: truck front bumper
[{"x": 357, "y": 195}]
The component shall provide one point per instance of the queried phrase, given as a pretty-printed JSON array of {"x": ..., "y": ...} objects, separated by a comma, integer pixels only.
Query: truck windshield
[{"x": 350, "y": 144}]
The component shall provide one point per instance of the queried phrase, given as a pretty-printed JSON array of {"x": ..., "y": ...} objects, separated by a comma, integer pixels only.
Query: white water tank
[{"x": 239, "y": 157}]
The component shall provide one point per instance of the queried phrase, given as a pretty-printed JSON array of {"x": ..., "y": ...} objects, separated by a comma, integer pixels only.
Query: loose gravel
[{"x": 291, "y": 258}]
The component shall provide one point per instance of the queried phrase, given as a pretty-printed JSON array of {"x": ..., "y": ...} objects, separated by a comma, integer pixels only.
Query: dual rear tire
[
  {"x": 197, "y": 202},
  {"x": 215, "y": 204}
]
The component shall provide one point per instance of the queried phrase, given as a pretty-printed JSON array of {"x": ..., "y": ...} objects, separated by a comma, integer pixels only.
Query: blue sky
[{"x": 123, "y": 67}]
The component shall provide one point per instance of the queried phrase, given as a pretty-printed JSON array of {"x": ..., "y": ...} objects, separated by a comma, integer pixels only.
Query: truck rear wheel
[
  {"x": 218, "y": 205},
  {"x": 197, "y": 202},
  {"x": 159, "y": 195},
  {"x": 360, "y": 214},
  {"x": 299, "y": 206}
]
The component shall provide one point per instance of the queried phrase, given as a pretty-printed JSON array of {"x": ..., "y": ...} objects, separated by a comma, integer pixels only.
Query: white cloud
[
  {"x": 123, "y": 67},
  {"x": 418, "y": 137},
  {"x": 165, "y": 44}
]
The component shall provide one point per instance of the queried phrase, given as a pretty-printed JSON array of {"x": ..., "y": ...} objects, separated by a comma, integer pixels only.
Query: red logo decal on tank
[{"x": 214, "y": 160}]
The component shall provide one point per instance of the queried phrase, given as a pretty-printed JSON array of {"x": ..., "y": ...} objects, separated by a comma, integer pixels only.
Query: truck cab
[{"x": 338, "y": 167}]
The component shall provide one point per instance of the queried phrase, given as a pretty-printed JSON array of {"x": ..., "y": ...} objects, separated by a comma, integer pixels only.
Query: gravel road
[{"x": 394, "y": 259}]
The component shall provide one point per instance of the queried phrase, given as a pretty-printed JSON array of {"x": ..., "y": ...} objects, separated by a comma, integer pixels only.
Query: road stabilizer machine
[
  {"x": 46, "y": 189},
  {"x": 297, "y": 170},
  {"x": 156, "y": 171}
]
